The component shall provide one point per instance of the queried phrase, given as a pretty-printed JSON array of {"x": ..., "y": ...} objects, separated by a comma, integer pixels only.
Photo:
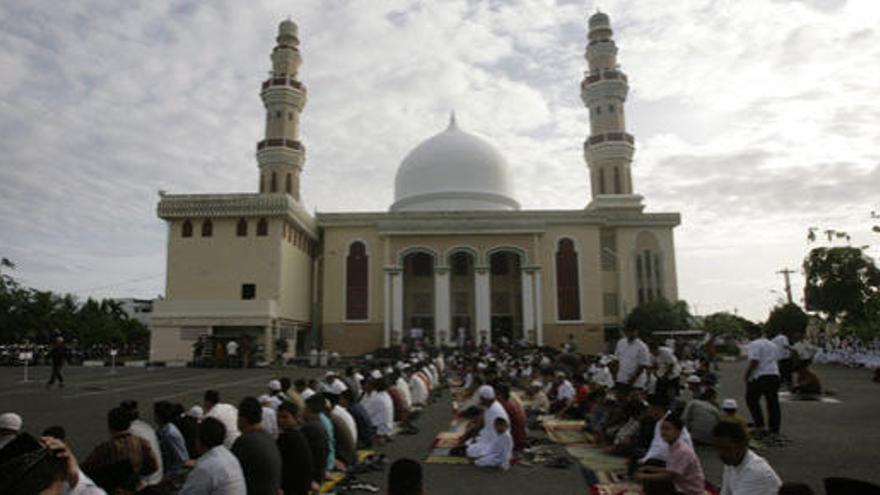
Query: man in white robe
[
  {"x": 482, "y": 444},
  {"x": 379, "y": 405}
]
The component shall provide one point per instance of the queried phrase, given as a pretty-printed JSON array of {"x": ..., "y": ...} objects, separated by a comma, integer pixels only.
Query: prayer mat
[
  {"x": 331, "y": 482},
  {"x": 567, "y": 431},
  {"x": 363, "y": 455},
  {"x": 446, "y": 460},
  {"x": 617, "y": 489},
  {"x": 790, "y": 397},
  {"x": 595, "y": 459}
]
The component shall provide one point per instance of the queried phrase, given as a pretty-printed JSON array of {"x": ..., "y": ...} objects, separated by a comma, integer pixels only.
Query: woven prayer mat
[
  {"x": 331, "y": 482},
  {"x": 790, "y": 397},
  {"x": 567, "y": 431},
  {"x": 595, "y": 459}
]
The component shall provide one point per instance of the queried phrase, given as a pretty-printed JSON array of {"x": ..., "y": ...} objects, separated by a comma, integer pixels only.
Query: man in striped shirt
[{"x": 117, "y": 464}]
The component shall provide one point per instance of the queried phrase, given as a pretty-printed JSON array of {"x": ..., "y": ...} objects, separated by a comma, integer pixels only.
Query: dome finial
[{"x": 452, "y": 122}]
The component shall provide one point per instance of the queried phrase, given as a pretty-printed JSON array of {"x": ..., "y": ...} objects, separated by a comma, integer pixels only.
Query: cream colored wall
[
  {"x": 626, "y": 247},
  {"x": 295, "y": 301},
  {"x": 336, "y": 243},
  {"x": 214, "y": 268},
  {"x": 166, "y": 345}
]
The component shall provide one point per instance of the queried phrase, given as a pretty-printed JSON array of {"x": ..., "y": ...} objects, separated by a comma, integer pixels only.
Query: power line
[
  {"x": 786, "y": 272},
  {"x": 117, "y": 284}
]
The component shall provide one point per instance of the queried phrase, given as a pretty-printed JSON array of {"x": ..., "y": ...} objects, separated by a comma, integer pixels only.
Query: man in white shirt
[
  {"x": 633, "y": 359},
  {"x": 379, "y": 406},
  {"x": 225, "y": 413},
  {"x": 501, "y": 450},
  {"x": 270, "y": 417},
  {"x": 565, "y": 393},
  {"x": 217, "y": 471},
  {"x": 482, "y": 444},
  {"x": 762, "y": 380},
  {"x": 745, "y": 473},
  {"x": 785, "y": 362}
]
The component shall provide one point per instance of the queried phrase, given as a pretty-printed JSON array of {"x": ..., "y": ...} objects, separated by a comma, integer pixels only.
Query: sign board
[
  {"x": 26, "y": 356},
  {"x": 113, "y": 352}
]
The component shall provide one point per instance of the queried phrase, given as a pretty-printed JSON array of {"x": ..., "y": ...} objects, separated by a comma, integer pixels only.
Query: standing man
[
  {"x": 762, "y": 380},
  {"x": 785, "y": 361},
  {"x": 57, "y": 355},
  {"x": 232, "y": 354},
  {"x": 633, "y": 359},
  {"x": 668, "y": 371}
]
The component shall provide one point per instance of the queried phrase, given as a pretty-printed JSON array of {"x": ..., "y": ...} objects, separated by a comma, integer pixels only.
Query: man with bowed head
[
  {"x": 482, "y": 443},
  {"x": 745, "y": 473}
]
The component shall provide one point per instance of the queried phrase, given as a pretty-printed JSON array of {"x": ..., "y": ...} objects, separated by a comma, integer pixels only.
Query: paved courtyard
[{"x": 826, "y": 439}]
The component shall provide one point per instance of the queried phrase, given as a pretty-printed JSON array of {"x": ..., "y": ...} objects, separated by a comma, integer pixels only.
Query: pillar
[
  {"x": 397, "y": 307},
  {"x": 442, "y": 310},
  {"x": 528, "y": 305},
  {"x": 482, "y": 291},
  {"x": 389, "y": 308},
  {"x": 539, "y": 309}
]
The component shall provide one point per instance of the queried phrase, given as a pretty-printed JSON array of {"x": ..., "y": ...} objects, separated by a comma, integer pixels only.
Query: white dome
[{"x": 454, "y": 170}]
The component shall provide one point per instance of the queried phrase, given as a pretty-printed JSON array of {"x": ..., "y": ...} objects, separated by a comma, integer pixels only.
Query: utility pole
[{"x": 786, "y": 273}]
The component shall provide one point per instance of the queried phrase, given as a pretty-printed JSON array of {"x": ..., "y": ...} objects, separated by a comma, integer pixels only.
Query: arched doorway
[
  {"x": 505, "y": 283},
  {"x": 462, "y": 297},
  {"x": 418, "y": 295}
]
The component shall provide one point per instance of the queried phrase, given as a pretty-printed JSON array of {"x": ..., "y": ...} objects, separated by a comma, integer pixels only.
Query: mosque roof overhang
[
  {"x": 483, "y": 222},
  {"x": 178, "y": 206}
]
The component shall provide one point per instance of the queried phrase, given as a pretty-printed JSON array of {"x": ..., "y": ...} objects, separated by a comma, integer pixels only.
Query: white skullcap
[
  {"x": 560, "y": 374},
  {"x": 486, "y": 392},
  {"x": 728, "y": 404},
  {"x": 10, "y": 421},
  {"x": 264, "y": 398},
  {"x": 359, "y": 377},
  {"x": 481, "y": 366},
  {"x": 389, "y": 370},
  {"x": 275, "y": 385},
  {"x": 337, "y": 387},
  {"x": 537, "y": 384},
  {"x": 307, "y": 393},
  {"x": 693, "y": 379},
  {"x": 329, "y": 374},
  {"x": 196, "y": 412},
  {"x": 375, "y": 374}
]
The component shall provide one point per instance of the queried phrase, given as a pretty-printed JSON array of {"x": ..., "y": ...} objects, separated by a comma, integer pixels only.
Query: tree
[
  {"x": 787, "y": 319},
  {"x": 842, "y": 283},
  {"x": 659, "y": 315},
  {"x": 728, "y": 325}
]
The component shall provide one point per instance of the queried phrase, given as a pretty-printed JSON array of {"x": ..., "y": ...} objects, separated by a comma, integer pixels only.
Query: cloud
[{"x": 754, "y": 119}]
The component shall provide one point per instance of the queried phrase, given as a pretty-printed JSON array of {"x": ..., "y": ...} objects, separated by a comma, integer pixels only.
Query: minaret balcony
[
  {"x": 284, "y": 81},
  {"x": 609, "y": 137},
  {"x": 599, "y": 91},
  {"x": 280, "y": 143},
  {"x": 605, "y": 75}
]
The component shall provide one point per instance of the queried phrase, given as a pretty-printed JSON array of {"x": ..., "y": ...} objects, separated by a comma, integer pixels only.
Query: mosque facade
[{"x": 454, "y": 258}]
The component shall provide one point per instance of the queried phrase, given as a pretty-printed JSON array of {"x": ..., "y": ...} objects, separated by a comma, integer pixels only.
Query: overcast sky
[{"x": 754, "y": 119}]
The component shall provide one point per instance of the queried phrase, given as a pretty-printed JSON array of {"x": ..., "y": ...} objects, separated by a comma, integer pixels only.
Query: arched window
[
  {"x": 273, "y": 183},
  {"x": 601, "y": 181},
  {"x": 207, "y": 228},
  {"x": 568, "y": 305},
  {"x": 187, "y": 229},
  {"x": 617, "y": 188},
  {"x": 262, "y": 228},
  {"x": 288, "y": 184},
  {"x": 241, "y": 228},
  {"x": 356, "y": 280}
]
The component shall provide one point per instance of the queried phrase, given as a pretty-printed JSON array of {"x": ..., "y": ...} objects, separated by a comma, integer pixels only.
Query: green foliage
[
  {"x": 659, "y": 315},
  {"x": 37, "y": 315},
  {"x": 843, "y": 284},
  {"x": 788, "y": 319},
  {"x": 728, "y": 325}
]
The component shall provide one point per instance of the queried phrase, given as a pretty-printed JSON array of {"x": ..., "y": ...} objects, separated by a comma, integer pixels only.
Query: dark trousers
[
  {"x": 785, "y": 368},
  {"x": 667, "y": 388},
  {"x": 56, "y": 373},
  {"x": 766, "y": 386}
]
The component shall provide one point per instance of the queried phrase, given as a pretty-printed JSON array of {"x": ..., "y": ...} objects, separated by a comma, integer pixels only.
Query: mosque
[{"x": 454, "y": 258}]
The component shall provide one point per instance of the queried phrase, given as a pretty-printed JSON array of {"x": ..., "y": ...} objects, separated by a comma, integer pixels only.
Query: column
[
  {"x": 482, "y": 291},
  {"x": 528, "y": 305},
  {"x": 442, "y": 310},
  {"x": 539, "y": 309},
  {"x": 397, "y": 307},
  {"x": 389, "y": 311}
]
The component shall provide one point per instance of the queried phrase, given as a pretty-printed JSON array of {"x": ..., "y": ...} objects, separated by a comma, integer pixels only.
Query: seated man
[
  {"x": 483, "y": 440},
  {"x": 682, "y": 469},
  {"x": 745, "y": 473},
  {"x": 807, "y": 383},
  {"x": 501, "y": 450},
  {"x": 700, "y": 416}
]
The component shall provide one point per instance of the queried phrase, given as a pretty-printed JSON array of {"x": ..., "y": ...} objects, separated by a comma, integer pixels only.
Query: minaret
[
  {"x": 281, "y": 155},
  {"x": 609, "y": 149}
]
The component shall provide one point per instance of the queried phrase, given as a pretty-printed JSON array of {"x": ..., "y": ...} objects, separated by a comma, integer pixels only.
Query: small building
[
  {"x": 454, "y": 258},
  {"x": 137, "y": 309}
]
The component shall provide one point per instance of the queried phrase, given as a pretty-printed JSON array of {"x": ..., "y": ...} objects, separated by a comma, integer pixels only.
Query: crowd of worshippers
[
  {"x": 288, "y": 440},
  {"x": 641, "y": 403}
]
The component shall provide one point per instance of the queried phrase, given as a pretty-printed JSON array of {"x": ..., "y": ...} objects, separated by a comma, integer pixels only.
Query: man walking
[
  {"x": 57, "y": 356},
  {"x": 762, "y": 380}
]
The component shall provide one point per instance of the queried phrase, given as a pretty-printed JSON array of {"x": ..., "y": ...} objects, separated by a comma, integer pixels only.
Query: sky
[{"x": 755, "y": 119}]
